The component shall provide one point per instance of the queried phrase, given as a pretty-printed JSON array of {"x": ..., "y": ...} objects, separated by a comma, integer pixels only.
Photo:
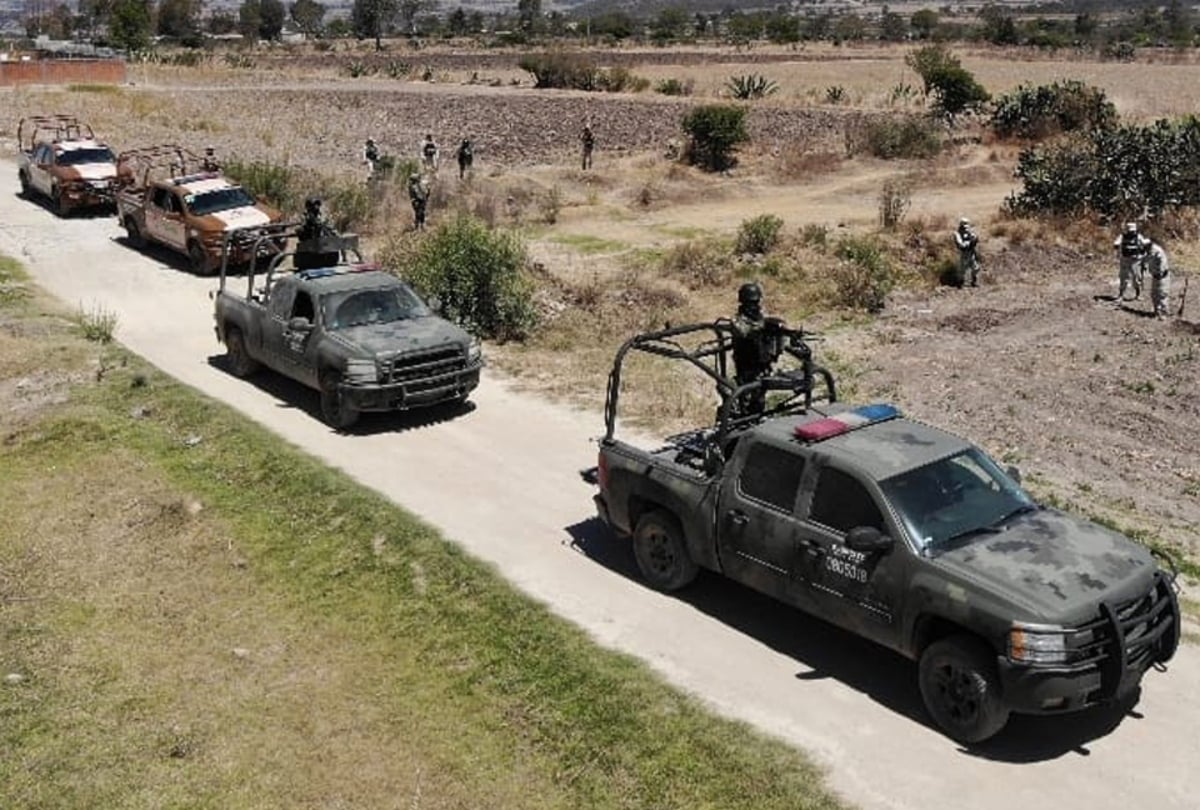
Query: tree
[
  {"x": 924, "y": 22},
  {"x": 456, "y": 22},
  {"x": 180, "y": 20},
  {"x": 129, "y": 28},
  {"x": 892, "y": 27},
  {"x": 954, "y": 88},
  {"x": 409, "y": 9},
  {"x": 529, "y": 15},
  {"x": 308, "y": 16},
  {"x": 670, "y": 24},
  {"x": 222, "y": 22},
  {"x": 373, "y": 18},
  {"x": 998, "y": 25},
  {"x": 715, "y": 131}
]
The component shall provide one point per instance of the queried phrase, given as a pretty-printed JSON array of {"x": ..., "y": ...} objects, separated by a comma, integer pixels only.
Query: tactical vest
[
  {"x": 430, "y": 150},
  {"x": 372, "y": 153},
  {"x": 1131, "y": 244}
]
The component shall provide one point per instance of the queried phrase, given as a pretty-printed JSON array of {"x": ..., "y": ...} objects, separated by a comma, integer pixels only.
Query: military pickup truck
[
  {"x": 898, "y": 532},
  {"x": 62, "y": 160},
  {"x": 358, "y": 335},
  {"x": 188, "y": 211}
]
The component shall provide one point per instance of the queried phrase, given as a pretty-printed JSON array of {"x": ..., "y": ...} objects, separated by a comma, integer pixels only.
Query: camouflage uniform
[
  {"x": 370, "y": 157},
  {"x": 1132, "y": 247},
  {"x": 1159, "y": 268},
  {"x": 316, "y": 240},
  {"x": 751, "y": 361},
  {"x": 967, "y": 242},
  {"x": 418, "y": 195},
  {"x": 466, "y": 157},
  {"x": 209, "y": 163},
  {"x": 429, "y": 153},
  {"x": 588, "y": 139}
]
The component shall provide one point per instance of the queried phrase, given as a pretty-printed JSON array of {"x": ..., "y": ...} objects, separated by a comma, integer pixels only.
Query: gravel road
[{"x": 502, "y": 481}]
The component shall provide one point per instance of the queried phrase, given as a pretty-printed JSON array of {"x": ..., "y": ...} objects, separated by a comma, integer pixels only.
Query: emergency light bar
[
  {"x": 336, "y": 270},
  {"x": 832, "y": 426}
]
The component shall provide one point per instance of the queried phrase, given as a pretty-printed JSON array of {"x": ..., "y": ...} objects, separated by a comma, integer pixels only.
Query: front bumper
[
  {"x": 87, "y": 195},
  {"x": 418, "y": 393},
  {"x": 1132, "y": 637}
]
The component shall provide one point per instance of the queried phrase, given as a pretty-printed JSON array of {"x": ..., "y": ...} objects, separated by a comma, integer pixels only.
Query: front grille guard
[
  {"x": 419, "y": 366},
  {"x": 1132, "y": 635}
]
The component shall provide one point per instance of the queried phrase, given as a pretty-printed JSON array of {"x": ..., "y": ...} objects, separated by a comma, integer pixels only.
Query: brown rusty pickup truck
[{"x": 62, "y": 160}]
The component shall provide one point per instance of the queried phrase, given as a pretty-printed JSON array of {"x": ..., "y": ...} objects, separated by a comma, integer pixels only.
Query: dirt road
[{"x": 501, "y": 480}]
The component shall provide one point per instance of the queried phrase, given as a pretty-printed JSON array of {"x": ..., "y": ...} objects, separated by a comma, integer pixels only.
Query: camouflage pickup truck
[
  {"x": 62, "y": 160},
  {"x": 899, "y": 532},
  {"x": 358, "y": 335}
]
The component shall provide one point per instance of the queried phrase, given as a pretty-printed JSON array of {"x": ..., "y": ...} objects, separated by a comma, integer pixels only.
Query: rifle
[{"x": 1183, "y": 297}]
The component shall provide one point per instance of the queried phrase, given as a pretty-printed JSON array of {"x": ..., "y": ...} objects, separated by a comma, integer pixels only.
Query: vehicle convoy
[
  {"x": 62, "y": 160},
  {"x": 894, "y": 530},
  {"x": 167, "y": 199},
  {"x": 358, "y": 335}
]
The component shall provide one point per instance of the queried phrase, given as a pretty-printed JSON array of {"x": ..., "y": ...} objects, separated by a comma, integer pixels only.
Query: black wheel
[
  {"x": 241, "y": 364},
  {"x": 198, "y": 260},
  {"x": 61, "y": 205},
  {"x": 133, "y": 234},
  {"x": 960, "y": 688},
  {"x": 661, "y": 552},
  {"x": 334, "y": 408},
  {"x": 23, "y": 179}
]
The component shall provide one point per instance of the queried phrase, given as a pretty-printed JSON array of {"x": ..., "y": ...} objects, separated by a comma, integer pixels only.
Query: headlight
[
  {"x": 1047, "y": 644},
  {"x": 474, "y": 350},
  {"x": 361, "y": 371}
]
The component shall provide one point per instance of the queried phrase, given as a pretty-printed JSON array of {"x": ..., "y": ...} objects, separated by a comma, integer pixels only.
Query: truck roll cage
[
  {"x": 713, "y": 358},
  {"x": 64, "y": 128},
  {"x": 270, "y": 242},
  {"x": 172, "y": 158}
]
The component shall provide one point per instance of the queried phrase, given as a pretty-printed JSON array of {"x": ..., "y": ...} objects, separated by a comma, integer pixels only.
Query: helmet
[
  {"x": 964, "y": 223},
  {"x": 312, "y": 202},
  {"x": 208, "y": 150},
  {"x": 750, "y": 293},
  {"x": 370, "y": 140},
  {"x": 1130, "y": 227},
  {"x": 415, "y": 176}
]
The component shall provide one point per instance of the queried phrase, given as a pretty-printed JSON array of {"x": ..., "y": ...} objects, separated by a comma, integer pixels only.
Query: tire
[
  {"x": 61, "y": 206},
  {"x": 334, "y": 410},
  {"x": 198, "y": 260},
  {"x": 133, "y": 234},
  {"x": 958, "y": 683},
  {"x": 26, "y": 191},
  {"x": 239, "y": 361},
  {"x": 661, "y": 552}
]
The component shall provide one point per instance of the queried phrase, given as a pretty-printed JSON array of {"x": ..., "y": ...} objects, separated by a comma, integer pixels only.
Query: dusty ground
[{"x": 1096, "y": 405}]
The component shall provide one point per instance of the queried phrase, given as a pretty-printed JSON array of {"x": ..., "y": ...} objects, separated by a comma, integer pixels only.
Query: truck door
[
  {"x": 164, "y": 218},
  {"x": 39, "y": 171},
  {"x": 757, "y": 530},
  {"x": 289, "y": 348},
  {"x": 850, "y": 588}
]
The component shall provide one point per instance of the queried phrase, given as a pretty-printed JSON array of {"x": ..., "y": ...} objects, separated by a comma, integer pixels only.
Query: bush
[
  {"x": 835, "y": 94},
  {"x": 699, "y": 263},
  {"x": 894, "y": 201},
  {"x": 714, "y": 131},
  {"x": 560, "y": 70},
  {"x": 759, "y": 235},
  {"x": 909, "y": 136},
  {"x": 864, "y": 277},
  {"x": 273, "y": 183},
  {"x": 1051, "y": 109},
  {"x": 675, "y": 87},
  {"x": 97, "y": 324},
  {"x": 479, "y": 275},
  {"x": 750, "y": 86},
  {"x": 953, "y": 87}
]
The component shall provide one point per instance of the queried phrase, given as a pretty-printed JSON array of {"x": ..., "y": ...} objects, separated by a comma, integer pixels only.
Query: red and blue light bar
[{"x": 832, "y": 426}]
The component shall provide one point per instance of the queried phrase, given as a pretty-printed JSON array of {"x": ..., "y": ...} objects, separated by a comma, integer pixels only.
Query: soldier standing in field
[
  {"x": 466, "y": 157},
  {"x": 751, "y": 360},
  {"x": 967, "y": 242},
  {"x": 418, "y": 195},
  {"x": 370, "y": 157},
  {"x": 209, "y": 163},
  {"x": 1159, "y": 270},
  {"x": 587, "y": 140},
  {"x": 429, "y": 153},
  {"x": 1131, "y": 247}
]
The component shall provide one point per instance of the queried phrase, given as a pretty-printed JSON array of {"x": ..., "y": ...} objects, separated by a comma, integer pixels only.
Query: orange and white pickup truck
[
  {"x": 189, "y": 213},
  {"x": 61, "y": 159}
]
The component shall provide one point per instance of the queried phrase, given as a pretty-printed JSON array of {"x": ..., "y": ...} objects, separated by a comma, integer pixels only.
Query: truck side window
[
  {"x": 771, "y": 475},
  {"x": 841, "y": 502},
  {"x": 159, "y": 198},
  {"x": 280, "y": 302},
  {"x": 303, "y": 306}
]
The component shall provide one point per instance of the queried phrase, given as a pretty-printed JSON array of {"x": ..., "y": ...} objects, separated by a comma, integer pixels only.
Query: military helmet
[
  {"x": 963, "y": 222},
  {"x": 750, "y": 293},
  {"x": 312, "y": 203},
  {"x": 1130, "y": 227}
]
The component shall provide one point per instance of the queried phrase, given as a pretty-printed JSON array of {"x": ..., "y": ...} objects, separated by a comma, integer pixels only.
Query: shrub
[
  {"x": 714, "y": 130},
  {"x": 1051, "y": 109},
  {"x": 349, "y": 205},
  {"x": 953, "y": 87},
  {"x": 479, "y": 275},
  {"x": 835, "y": 94},
  {"x": 97, "y": 324},
  {"x": 699, "y": 263},
  {"x": 750, "y": 86},
  {"x": 894, "y": 201},
  {"x": 909, "y": 136},
  {"x": 815, "y": 236},
  {"x": 560, "y": 70},
  {"x": 675, "y": 87},
  {"x": 273, "y": 183},
  {"x": 864, "y": 277},
  {"x": 357, "y": 69},
  {"x": 396, "y": 69},
  {"x": 550, "y": 204},
  {"x": 759, "y": 234}
]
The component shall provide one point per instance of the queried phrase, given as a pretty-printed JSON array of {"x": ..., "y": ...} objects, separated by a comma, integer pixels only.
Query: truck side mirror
[
  {"x": 868, "y": 540},
  {"x": 714, "y": 460},
  {"x": 1013, "y": 473},
  {"x": 299, "y": 324}
]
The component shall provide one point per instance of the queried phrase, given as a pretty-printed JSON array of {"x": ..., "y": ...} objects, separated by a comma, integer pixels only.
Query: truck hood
[
  {"x": 385, "y": 340},
  {"x": 248, "y": 215},
  {"x": 1057, "y": 564},
  {"x": 90, "y": 171}
]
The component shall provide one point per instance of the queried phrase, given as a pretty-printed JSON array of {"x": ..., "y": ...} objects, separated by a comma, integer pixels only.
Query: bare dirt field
[{"x": 1097, "y": 405}]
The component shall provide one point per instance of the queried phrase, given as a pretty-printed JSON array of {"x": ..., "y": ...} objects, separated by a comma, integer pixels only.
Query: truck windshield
[
  {"x": 353, "y": 308},
  {"x": 222, "y": 199},
  {"x": 82, "y": 157},
  {"x": 952, "y": 499}
]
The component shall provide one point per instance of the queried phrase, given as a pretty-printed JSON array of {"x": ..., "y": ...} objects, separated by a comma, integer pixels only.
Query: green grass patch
[
  {"x": 227, "y": 619},
  {"x": 587, "y": 244},
  {"x": 93, "y": 87}
]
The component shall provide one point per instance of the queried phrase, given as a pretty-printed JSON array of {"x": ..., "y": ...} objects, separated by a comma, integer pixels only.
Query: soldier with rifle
[
  {"x": 317, "y": 243},
  {"x": 756, "y": 345}
]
